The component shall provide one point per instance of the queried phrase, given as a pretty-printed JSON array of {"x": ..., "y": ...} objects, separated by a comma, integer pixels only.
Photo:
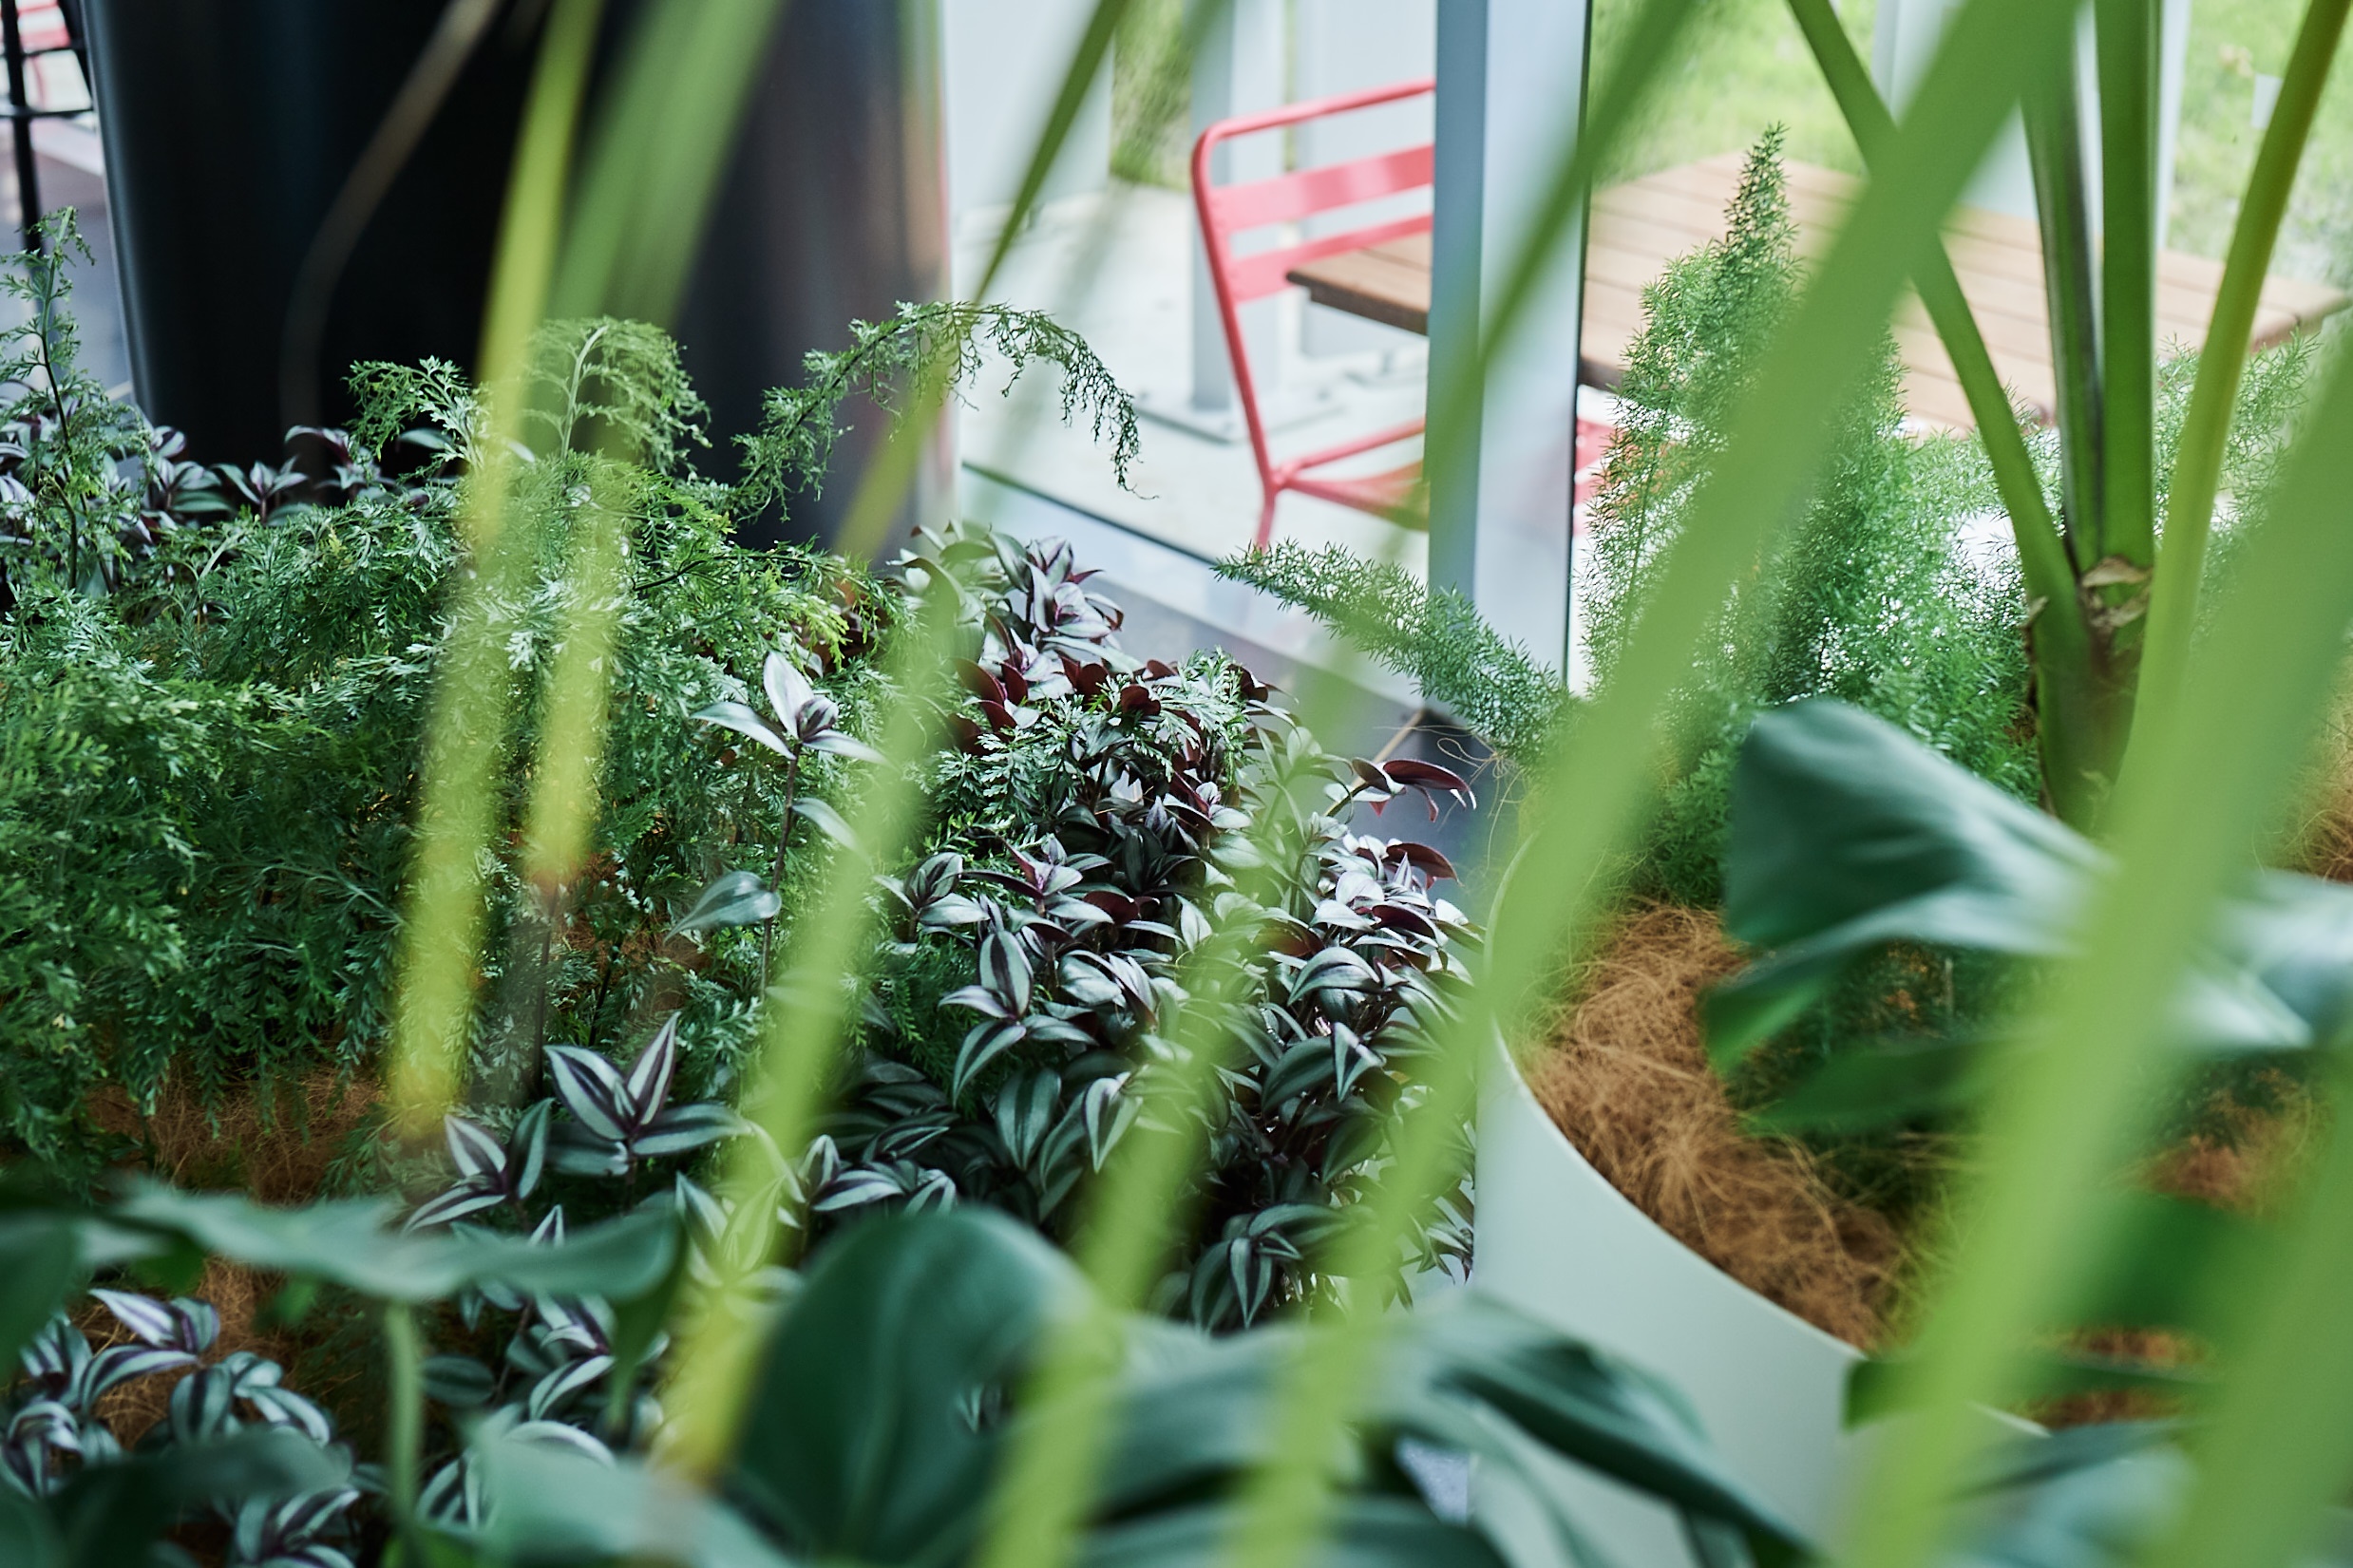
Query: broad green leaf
[
  {"x": 1873, "y": 1084},
  {"x": 40, "y": 1258},
  {"x": 1879, "y": 1387},
  {"x": 1367, "y": 1532},
  {"x": 636, "y": 1323},
  {"x": 1582, "y": 1406},
  {"x": 738, "y": 899},
  {"x": 355, "y": 1244},
  {"x": 549, "y": 1503},
  {"x": 110, "y": 1514},
  {"x": 27, "y": 1538},
  {"x": 2093, "y": 1511},
  {"x": 862, "y": 1440},
  {"x": 1847, "y": 834}
]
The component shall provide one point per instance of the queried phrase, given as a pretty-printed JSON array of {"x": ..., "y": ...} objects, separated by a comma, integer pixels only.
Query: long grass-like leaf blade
[
  {"x": 2084, "y": 1084},
  {"x": 1595, "y": 791},
  {"x": 2055, "y": 147},
  {"x": 2042, "y": 555},
  {"x": 2205, "y": 430},
  {"x": 652, "y": 167},
  {"x": 2126, "y": 52},
  {"x": 443, "y": 917},
  {"x": 806, "y": 1019}
]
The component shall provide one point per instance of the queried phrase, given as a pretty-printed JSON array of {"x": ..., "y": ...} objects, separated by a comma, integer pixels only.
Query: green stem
[
  {"x": 2198, "y": 464},
  {"x": 2042, "y": 556},
  {"x": 403, "y": 1436},
  {"x": 776, "y": 876},
  {"x": 2054, "y": 146},
  {"x": 2069, "y": 699},
  {"x": 2128, "y": 275}
]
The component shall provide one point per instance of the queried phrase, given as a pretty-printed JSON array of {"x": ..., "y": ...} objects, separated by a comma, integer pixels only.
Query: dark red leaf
[
  {"x": 1422, "y": 859},
  {"x": 1419, "y": 775},
  {"x": 979, "y": 682}
]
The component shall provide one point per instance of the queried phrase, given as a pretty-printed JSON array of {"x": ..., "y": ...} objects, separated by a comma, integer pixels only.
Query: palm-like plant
[{"x": 2111, "y": 598}]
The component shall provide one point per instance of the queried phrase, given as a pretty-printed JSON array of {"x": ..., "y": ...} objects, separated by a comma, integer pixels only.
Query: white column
[
  {"x": 1904, "y": 39},
  {"x": 1511, "y": 77},
  {"x": 2175, "y": 58},
  {"x": 1243, "y": 64}
]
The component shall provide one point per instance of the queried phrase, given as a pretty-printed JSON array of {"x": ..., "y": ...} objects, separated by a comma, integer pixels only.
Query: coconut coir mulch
[
  {"x": 274, "y": 1144},
  {"x": 1625, "y": 1077}
]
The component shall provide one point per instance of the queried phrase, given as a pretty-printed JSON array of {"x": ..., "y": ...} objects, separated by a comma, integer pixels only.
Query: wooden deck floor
[{"x": 1641, "y": 226}]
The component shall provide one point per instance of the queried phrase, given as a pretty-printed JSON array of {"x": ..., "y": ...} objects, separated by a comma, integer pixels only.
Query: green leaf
[
  {"x": 861, "y": 1441},
  {"x": 2082, "y": 1091},
  {"x": 27, "y": 1536},
  {"x": 636, "y": 1322},
  {"x": 40, "y": 1258},
  {"x": 551, "y": 1503},
  {"x": 1863, "y": 1087},
  {"x": 738, "y": 899},
  {"x": 1577, "y": 1403},
  {"x": 826, "y": 821},
  {"x": 2222, "y": 362},
  {"x": 1367, "y": 1532},
  {"x": 110, "y": 1514},
  {"x": 353, "y": 1244},
  {"x": 1847, "y": 835},
  {"x": 1882, "y": 1387}
]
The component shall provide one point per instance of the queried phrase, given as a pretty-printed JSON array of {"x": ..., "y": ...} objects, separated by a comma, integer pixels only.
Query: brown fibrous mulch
[
  {"x": 273, "y": 1142},
  {"x": 1625, "y": 1076}
]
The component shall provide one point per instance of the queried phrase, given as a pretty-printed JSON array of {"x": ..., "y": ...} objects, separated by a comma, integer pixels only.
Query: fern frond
[
  {"x": 1490, "y": 685},
  {"x": 925, "y": 350}
]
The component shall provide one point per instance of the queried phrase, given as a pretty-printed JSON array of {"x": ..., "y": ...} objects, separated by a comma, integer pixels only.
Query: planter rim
[{"x": 1505, "y": 1078}]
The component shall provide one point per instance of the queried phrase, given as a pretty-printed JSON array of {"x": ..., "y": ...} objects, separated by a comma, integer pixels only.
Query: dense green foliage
[
  {"x": 1434, "y": 637},
  {"x": 888, "y": 1392},
  {"x": 207, "y": 821},
  {"x": 1872, "y": 596},
  {"x": 1117, "y": 840},
  {"x": 205, "y": 808}
]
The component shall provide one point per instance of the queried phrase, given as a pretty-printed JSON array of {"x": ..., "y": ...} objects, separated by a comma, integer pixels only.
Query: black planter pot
[
  {"x": 230, "y": 126},
  {"x": 833, "y": 210}
]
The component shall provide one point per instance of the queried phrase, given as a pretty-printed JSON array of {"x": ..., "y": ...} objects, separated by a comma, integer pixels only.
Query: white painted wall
[
  {"x": 1346, "y": 46},
  {"x": 1004, "y": 62}
]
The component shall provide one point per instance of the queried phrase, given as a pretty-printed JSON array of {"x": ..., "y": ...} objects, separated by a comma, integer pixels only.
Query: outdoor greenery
[{"x": 1875, "y": 596}]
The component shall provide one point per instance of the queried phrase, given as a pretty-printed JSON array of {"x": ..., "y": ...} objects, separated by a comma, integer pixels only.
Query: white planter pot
[{"x": 1556, "y": 1240}]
